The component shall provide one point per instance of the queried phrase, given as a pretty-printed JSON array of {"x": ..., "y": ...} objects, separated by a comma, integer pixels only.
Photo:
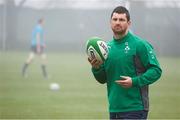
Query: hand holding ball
[{"x": 97, "y": 51}]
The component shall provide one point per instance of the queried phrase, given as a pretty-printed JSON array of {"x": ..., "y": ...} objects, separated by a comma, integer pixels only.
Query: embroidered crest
[{"x": 127, "y": 48}]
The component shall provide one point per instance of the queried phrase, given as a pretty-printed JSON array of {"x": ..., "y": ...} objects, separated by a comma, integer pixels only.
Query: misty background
[{"x": 69, "y": 23}]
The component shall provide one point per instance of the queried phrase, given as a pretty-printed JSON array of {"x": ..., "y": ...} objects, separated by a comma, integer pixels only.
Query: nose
[{"x": 118, "y": 22}]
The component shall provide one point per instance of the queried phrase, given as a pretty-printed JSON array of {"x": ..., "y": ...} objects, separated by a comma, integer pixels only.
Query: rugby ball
[{"x": 96, "y": 48}]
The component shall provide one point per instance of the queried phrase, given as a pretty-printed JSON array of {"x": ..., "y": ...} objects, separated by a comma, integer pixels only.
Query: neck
[{"x": 120, "y": 35}]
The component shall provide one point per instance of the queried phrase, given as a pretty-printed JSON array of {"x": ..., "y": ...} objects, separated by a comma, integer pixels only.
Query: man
[
  {"x": 130, "y": 67},
  {"x": 37, "y": 48}
]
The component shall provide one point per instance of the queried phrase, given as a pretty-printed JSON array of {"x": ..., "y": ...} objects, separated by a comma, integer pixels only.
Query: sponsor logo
[
  {"x": 104, "y": 46},
  {"x": 91, "y": 51}
]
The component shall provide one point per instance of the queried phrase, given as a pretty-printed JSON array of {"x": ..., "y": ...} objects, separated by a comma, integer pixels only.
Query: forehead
[{"x": 119, "y": 15}]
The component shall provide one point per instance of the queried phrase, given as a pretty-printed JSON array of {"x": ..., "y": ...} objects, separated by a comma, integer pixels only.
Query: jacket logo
[
  {"x": 151, "y": 54},
  {"x": 127, "y": 48}
]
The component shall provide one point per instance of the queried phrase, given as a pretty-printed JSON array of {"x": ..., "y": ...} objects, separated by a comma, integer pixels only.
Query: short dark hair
[{"x": 121, "y": 10}]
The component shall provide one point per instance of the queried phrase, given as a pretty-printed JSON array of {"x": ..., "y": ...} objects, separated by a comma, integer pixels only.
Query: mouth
[{"x": 118, "y": 28}]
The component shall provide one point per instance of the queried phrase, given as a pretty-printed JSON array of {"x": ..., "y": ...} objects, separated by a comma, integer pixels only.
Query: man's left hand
[{"x": 125, "y": 82}]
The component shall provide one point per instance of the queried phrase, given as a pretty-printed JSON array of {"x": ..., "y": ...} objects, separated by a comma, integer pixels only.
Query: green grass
[{"x": 80, "y": 96}]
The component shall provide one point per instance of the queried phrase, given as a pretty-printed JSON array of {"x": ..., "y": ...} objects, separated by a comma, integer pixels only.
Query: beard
[{"x": 119, "y": 32}]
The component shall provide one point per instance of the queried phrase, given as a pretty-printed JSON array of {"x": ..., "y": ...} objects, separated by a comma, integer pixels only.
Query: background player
[{"x": 37, "y": 48}]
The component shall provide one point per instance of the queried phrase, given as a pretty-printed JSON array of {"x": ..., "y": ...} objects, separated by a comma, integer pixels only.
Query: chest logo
[{"x": 127, "y": 48}]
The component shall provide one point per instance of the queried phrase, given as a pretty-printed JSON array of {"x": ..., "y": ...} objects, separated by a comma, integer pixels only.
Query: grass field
[{"x": 80, "y": 96}]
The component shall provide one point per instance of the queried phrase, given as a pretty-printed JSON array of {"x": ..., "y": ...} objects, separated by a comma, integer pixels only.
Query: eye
[
  {"x": 115, "y": 19},
  {"x": 121, "y": 19}
]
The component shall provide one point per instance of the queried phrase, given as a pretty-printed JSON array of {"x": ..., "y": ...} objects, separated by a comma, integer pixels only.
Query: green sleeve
[
  {"x": 148, "y": 58},
  {"x": 99, "y": 74}
]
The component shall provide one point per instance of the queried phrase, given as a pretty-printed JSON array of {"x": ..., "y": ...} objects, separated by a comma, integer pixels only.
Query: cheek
[
  {"x": 125, "y": 25},
  {"x": 113, "y": 25}
]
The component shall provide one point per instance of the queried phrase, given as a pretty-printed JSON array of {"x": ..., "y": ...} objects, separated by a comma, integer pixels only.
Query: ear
[{"x": 129, "y": 22}]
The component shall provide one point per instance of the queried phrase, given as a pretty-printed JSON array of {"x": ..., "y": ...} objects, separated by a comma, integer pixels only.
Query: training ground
[{"x": 80, "y": 96}]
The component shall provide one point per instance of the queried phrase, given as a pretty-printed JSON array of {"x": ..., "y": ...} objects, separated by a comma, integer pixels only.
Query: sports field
[{"x": 80, "y": 96}]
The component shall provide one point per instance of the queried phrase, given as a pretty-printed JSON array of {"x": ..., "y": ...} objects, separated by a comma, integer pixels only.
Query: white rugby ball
[
  {"x": 54, "y": 86},
  {"x": 96, "y": 48}
]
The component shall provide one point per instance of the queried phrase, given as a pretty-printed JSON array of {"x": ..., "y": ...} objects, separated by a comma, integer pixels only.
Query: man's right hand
[{"x": 95, "y": 63}]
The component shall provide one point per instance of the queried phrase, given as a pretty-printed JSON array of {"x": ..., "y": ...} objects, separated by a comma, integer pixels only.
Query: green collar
[{"x": 123, "y": 39}]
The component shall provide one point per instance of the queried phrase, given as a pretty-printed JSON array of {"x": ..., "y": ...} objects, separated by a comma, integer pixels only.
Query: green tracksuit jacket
[{"x": 134, "y": 57}]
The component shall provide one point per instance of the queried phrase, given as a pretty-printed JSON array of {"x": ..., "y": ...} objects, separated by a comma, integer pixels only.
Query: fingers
[
  {"x": 121, "y": 82},
  {"x": 95, "y": 63},
  {"x": 125, "y": 81},
  {"x": 124, "y": 77}
]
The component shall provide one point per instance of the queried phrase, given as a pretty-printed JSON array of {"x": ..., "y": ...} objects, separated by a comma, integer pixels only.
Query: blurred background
[{"x": 68, "y": 25}]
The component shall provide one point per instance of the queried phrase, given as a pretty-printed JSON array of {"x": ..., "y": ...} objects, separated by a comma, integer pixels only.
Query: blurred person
[
  {"x": 37, "y": 48},
  {"x": 130, "y": 68}
]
